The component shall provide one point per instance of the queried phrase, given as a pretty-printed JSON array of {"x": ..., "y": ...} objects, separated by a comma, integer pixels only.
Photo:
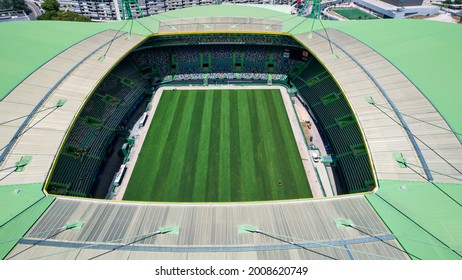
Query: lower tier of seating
[
  {"x": 328, "y": 114},
  {"x": 343, "y": 138},
  {"x": 94, "y": 130},
  {"x": 76, "y": 173},
  {"x": 356, "y": 172}
]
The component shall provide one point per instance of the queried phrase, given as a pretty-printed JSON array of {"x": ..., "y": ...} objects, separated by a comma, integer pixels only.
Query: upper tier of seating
[{"x": 160, "y": 62}]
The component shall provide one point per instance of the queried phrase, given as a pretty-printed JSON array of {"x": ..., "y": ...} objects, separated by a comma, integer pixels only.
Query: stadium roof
[
  {"x": 427, "y": 52},
  {"x": 424, "y": 216},
  {"x": 420, "y": 211},
  {"x": 21, "y": 206}
]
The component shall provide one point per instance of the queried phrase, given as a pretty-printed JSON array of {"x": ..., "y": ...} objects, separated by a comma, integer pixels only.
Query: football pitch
[
  {"x": 219, "y": 146},
  {"x": 354, "y": 13}
]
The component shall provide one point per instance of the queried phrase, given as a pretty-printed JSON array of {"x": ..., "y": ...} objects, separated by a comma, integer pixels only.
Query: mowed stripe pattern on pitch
[{"x": 219, "y": 146}]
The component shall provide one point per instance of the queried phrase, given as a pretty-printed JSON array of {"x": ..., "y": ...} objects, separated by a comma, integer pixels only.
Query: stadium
[{"x": 181, "y": 136}]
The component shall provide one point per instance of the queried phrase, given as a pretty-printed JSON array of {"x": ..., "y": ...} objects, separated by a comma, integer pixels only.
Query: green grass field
[
  {"x": 219, "y": 146},
  {"x": 354, "y": 13}
]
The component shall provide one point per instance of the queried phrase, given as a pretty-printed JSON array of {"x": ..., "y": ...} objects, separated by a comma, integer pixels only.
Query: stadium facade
[
  {"x": 110, "y": 9},
  {"x": 410, "y": 132},
  {"x": 404, "y": 3},
  {"x": 399, "y": 9}
]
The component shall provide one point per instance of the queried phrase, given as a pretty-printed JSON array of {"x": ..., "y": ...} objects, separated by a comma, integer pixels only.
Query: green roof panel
[
  {"x": 25, "y": 46},
  {"x": 426, "y": 221},
  {"x": 20, "y": 206},
  {"x": 427, "y": 52}
]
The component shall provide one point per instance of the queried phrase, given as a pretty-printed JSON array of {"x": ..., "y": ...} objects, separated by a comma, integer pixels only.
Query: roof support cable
[
  {"x": 137, "y": 238},
  {"x": 310, "y": 35},
  {"x": 251, "y": 229},
  {"x": 131, "y": 28},
  {"x": 6, "y": 149},
  {"x": 68, "y": 226},
  {"x": 381, "y": 240},
  {"x": 376, "y": 231},
  {"x": 8, "y": 174},
  {"x": 59, "y": 104},
  {"x": 25, "y": 116},
  {"x": 295, "y": 244},
  {"x": 418, "y": 225},
  {"x": 328, "y": 39},
  {"x": 431, "y": 182},
  {"x": 125, "y": 245},
  {"x": 37, "y": 242},
  {"x": 145, "y": 27},
  {"x": 415, "y": 165},
  {"x": 21, "y": 213},
  {"x": 297, "y": 25},
  {"x": 15, "y": 167},
  {"x": 11, "y": 167},
  {"x": 384, "y": 93},
  {"x": 420, "y": 120},
  {"x": 416, "y": 137},
  {"x": 27, "y": 129},
  {"x": 112, "y": 40}
]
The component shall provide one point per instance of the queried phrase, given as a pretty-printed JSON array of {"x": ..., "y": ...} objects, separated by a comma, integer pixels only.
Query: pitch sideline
[{"x": 141, "y": 133}]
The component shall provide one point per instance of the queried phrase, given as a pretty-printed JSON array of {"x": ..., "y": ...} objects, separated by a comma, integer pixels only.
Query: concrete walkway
[
  {"x": 443, "y": 17},
  {"x": 325, "y": 173},
  {"x": 139, "y": 134}
]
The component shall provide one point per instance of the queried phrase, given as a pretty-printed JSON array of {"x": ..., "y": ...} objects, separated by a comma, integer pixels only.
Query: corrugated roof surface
[
  {"x": 125, "y": 230},
  {"x": 400, "y": 41},
  {"x": 436, "y": 146},
  {"x": 356, "y": 85},
  {"x": 426, "y": 52},
  {"x": 25, "y": 46},
  {"x": 214, "y": 24},
  {"x": 74, "y": 82},
  {"x": 433, "y": 68}
]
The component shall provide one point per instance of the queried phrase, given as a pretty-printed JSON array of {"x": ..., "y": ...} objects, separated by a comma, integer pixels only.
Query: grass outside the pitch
[
  {"x": 219, "y": 146},
  {"x": 353, "y": 13}
]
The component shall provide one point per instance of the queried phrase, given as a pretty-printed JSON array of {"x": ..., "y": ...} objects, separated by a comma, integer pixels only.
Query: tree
[
  {"x": 63, "y": 16},
  {"x": 52, "y": 12},
  {"x": 51, "y": 15},
  {"x": 50, "y": 5},
  {"x": 13, "y": 5},
  {"x": 71, "y": 16}
]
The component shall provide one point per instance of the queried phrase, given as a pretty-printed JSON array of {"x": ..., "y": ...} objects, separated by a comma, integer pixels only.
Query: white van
[{"x": 315, "y": 156}]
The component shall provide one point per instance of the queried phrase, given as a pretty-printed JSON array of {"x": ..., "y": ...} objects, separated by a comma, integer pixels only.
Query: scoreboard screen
[{"x": 297, "y": 54}]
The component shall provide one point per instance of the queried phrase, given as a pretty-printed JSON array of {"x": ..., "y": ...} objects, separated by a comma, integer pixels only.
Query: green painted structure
[
  {"x": 20, "y": 206},
  {"x": 426, "y": 219}
]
